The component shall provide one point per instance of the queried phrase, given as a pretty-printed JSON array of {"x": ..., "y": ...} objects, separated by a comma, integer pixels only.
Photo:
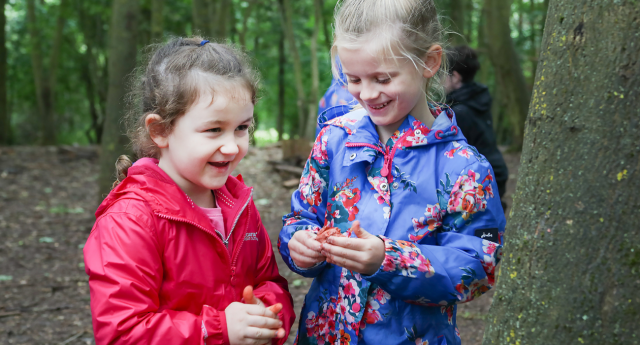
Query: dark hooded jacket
[{"x": 472, "y": 106}]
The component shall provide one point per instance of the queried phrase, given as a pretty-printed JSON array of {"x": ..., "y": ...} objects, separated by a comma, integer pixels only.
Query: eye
[
  {"x": 353, "y": 81},
  {"x": 242, "y": 128},
  {"x": 383, "y": 81},
  {"x": 214, "y": 130}
]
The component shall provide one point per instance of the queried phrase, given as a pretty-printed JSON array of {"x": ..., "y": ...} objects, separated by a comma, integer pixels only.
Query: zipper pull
[{"x": 385, "y": 167}]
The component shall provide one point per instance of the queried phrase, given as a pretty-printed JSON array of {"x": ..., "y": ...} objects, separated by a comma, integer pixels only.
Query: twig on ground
[{"x": 73, "y": 337}]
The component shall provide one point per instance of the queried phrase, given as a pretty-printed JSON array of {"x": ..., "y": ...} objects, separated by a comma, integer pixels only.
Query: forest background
[{"x": 56, "y": 89}]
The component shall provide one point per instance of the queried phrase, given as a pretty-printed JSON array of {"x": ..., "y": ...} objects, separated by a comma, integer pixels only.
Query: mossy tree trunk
[
  {"x": 5, "y": 124},
  {"x": 122, "y": 53},
  {"x": 505, "y": 60},
  {"x": 571, "y": 269}
]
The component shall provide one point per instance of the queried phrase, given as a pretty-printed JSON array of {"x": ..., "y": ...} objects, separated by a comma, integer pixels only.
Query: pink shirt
[{"x": 215, "y": 216}]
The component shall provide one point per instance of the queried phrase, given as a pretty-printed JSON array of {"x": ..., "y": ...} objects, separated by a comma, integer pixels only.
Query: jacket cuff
[
  {"x": 214, "y": 326},
  {"x": 401, "y": 257}
]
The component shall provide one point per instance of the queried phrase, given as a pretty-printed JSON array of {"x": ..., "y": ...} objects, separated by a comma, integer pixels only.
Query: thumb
[
  {"x": 249, "y": 297},
  {"x": 360, "y": 232}
]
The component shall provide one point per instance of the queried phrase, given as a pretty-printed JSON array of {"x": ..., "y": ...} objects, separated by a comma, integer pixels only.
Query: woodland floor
[{"x": 47, "y": 200}]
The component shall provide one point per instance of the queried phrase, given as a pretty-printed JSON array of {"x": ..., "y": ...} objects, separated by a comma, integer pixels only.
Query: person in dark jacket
[{"x": 471, "y": 103}]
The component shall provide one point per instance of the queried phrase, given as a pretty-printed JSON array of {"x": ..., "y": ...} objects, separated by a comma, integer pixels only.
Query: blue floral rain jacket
[{"x": 430, "y": 196}]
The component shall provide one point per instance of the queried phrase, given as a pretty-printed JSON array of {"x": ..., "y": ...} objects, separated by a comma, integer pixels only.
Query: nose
[
  {"x": 230, "y": 147},
  {"x": 369, "y": 91}
]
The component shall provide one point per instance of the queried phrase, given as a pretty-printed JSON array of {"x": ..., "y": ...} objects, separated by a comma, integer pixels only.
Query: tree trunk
[
  {"x": 246, "y": 14},
  {"x": 223, "y": 19},
  {"x": 328, "y": 39},
  {"x": 287, "y": 13},
  {"x": 533, "y": 52},
  {"x": 457, "y": 10},
  {"x": 157, "y": 20},
  {"x": 313, "y": 94},
  {"x": 505, "y": 61},
  {"x": 572, "y": 259},
  {"x": 282, "y": 60},
  {"x": 5, "y": 123},
  {"x": 122, "y": 61},
  {"x": 201, "y": 18},
  {"x": 45, "y": 83}
]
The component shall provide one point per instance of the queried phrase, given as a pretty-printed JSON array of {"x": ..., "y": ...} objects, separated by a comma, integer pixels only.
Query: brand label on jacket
[
  {"x": 488, "y": 234},
  {"x": 251, "y": 236}
]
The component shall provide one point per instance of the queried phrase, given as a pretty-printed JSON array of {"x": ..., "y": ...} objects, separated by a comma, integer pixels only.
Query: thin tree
[
  {"x": 157, "y": 20},
  {"x": 572, "y": 259},
  {"x": 122, "y": 53},
  {"x": 202, "y": 11},
  {"x": 315, "y": 78},
  {"x": 457, "y": 13},
  {"x": 45, "y": 80},
  {"x": 282, "y": 60},
  {"x": 246, "y": 14},
  {"x": 4, "y": 109},
  {"x": 505, "y": 60},
  {"x": 286, "y": 14}
]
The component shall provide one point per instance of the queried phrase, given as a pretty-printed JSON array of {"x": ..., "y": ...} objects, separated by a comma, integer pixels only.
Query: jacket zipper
[
  {"x": 388, "y": 156},
  {"x": 175, "y": 219},
  {"x": 237, "y": 251}
]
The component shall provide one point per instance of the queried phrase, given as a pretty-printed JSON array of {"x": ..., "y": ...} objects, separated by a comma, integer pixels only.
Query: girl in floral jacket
[{"x": 417, "y": 206}]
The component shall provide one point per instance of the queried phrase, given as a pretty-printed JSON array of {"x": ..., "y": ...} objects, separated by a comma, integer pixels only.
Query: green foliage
[{"x": 81, "y": 75}]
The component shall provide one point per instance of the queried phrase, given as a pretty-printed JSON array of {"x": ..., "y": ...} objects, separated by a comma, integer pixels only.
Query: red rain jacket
[{"x": 160, "y": 274}]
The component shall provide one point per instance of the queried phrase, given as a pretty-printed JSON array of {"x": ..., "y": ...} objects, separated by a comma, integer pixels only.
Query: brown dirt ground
[{"x": 47, "y": 200}]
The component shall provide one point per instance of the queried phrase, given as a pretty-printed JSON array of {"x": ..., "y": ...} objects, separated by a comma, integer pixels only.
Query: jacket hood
[
  {"x": 411, "y": 132},
  {"x": 473, "y": 95},
  {"x": 146, "y": 181}
]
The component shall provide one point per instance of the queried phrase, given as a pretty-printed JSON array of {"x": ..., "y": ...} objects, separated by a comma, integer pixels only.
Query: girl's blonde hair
[
  {"x": 172, "y": 79},
  {"x": 406, "y": 29}
]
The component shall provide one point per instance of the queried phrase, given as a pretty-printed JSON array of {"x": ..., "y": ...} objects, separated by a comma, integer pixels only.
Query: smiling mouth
[
  {"x": 378, "y": 107},
  {"x": 220, "y": 164}
]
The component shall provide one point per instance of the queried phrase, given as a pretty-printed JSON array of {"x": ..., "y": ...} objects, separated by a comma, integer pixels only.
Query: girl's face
[
  {"x": 207, "y": 143},
  {"x": 389, "y": 89}
]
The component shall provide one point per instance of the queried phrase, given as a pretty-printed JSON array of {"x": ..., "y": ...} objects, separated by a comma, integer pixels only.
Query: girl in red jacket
[{"x": 178, "y": 253}]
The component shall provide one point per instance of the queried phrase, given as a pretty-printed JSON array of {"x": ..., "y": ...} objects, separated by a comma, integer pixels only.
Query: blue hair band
[{"x": 204, "y": 42}]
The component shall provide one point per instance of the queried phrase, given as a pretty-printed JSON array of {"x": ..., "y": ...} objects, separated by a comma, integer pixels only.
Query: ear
[
  {"x": 432, "y": 60},
  {"x": 152, "y": 122},
  {"x": 457, "y": 78}
]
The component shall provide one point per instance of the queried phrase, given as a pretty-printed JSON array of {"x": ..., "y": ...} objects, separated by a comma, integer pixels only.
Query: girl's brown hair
[{"x": 172, "y": 79}]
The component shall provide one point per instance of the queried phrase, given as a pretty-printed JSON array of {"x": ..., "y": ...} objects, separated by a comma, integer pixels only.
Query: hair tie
[{"x": 204, "y": 42}]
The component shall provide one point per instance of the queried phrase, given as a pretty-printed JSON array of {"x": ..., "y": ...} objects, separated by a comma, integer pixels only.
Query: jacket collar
[{"x": 147, "y": 181}]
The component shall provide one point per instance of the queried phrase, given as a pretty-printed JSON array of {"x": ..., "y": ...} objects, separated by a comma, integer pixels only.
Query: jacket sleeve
[
  {"x": 461, "y": 265},
  {"x": 308, "y": 203},
  {"x": 271, "y": 288},
  {"x": 123, "y": 260}
]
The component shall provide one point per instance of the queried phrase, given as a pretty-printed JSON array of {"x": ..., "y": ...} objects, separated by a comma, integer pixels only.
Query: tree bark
[
  {"x": 223, "y": 19},
  {"x": 287, "y": 26},
  {"x": 246, "y": 14},
  {"x": 506, "y": 63},
  {"x": 202, "y": 22},
  {"x": 572, "y": 258},
  {"x": 5, "y": 123},
  {"x": 457, "y": 17},
  {"x": 157, "y": 20},
  {"x": 282, "y": 60},
  {"x": 45, "y": 82},
  {"x": 122, "y": 53},
  {"x": 315, "y": 79}
]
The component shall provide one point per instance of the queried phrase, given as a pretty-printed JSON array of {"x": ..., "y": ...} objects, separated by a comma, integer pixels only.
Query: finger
[
  {"x": 280, "y": 333},
  {"x": 345, "y": 263},
  {"x": 259, "y": 333},
  {"x": 303, "y": 261},
  {"x": 257, "y": 310},
  {"x": 341, "y": 252},
  {"x": 247, "y": 295},
  {"x": 310, "y": 242},
  {"x": 360, "y": 232},
  {"x": 263, "y": 322},
  {"x": 276, "y": 308},
  {"x": 301, "y": 249}
]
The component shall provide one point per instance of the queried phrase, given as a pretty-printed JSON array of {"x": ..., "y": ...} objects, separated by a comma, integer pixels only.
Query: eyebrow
[{"x": 220, "y": 122}]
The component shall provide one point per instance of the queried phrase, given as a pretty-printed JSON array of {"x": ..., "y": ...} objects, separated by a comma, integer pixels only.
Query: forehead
[{"x": 364, "y": 61}]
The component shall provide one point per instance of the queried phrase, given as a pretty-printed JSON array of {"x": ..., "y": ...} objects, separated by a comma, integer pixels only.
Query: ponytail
[{"x": 122, "y": 166}]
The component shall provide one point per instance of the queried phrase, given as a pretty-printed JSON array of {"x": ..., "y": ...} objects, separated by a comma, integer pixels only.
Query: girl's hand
[
  {"x": 364, "y": 254},
  {"x": 305, "y": 250},
  {"x": 252, "y": 324},
  {"x": 250, "y": 298}
]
